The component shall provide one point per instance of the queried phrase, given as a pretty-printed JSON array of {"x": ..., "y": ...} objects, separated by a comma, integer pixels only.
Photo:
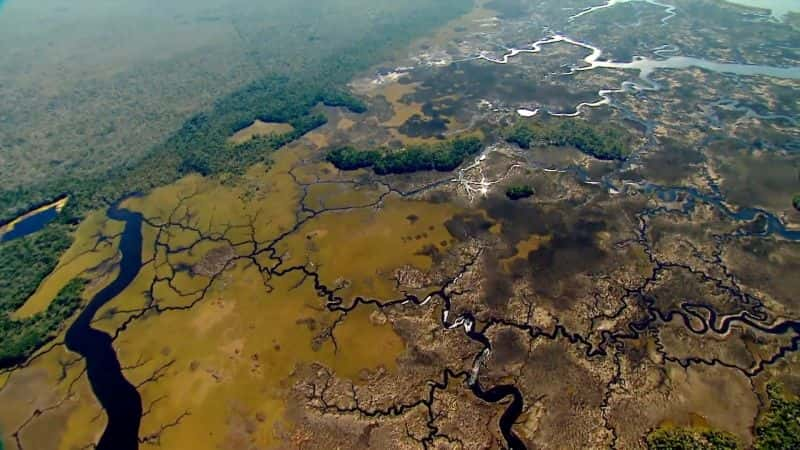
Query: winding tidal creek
[{"x": 119, "y": 398}]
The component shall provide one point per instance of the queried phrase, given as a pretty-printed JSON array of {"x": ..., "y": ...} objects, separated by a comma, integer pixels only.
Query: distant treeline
[
  {"x": 200, "y": 145},
  {"x": 444, "y": 157},
  {"x": 601, "y": 141}
]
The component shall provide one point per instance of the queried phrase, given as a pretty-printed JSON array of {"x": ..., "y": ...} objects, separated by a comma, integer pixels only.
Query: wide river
[{"x": 779, "y": 8}]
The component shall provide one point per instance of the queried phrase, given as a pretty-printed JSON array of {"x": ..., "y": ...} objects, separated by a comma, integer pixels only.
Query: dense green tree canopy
[
  {"x": 691, "y": 439},
  {"x": 26, "y": 261},
  {"x": 21, "y": 338},
  {"x": 779, "y": 427},
  {"x": 601, "y": 141},
  {"x": 444, "y": 157}
]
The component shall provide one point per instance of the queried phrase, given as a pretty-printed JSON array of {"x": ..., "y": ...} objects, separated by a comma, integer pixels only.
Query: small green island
[
  {"x": 606, "y": 142},
  {"x": 442, "y": 157},
  {"x": 519, "y": 191}
]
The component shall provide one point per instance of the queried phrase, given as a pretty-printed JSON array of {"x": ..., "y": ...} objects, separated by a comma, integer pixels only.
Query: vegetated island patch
[
  {"x": 260, "y": 128},
  {"x": 519, "y": 191},
  {"x": 443, "y": 157},
  {"x": 606, "y": 142}
]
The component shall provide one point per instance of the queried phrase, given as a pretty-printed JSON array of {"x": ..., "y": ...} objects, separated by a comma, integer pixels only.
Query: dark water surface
[
  {"x": 30, "y": 224},
  {"x": 119, "y": 398},
  {"x": 499, "y": 393},
  {"x": 510, "y": 415}
]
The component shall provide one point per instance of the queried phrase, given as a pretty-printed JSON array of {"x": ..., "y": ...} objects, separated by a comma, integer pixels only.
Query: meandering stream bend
[
  {"x": 645, "y": 66},
  {"x": 510, "y": 415},
  {"x": 119, "y": 398}
]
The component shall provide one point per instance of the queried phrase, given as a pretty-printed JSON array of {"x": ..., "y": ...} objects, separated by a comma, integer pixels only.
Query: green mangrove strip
[
  {"x": 600, "y": 141},
  {"x": 443, "y": 157}
]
